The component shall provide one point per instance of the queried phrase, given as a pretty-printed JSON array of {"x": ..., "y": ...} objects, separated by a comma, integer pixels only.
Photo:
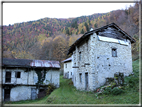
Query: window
[
  {"x": 87, "y": 45},
  {"x": 80, "y": 76},
  {"x": 66, "y": 65},
  {"x": 8, "y": 77},
  {"x": 114, "y": 52},
  {"x": 17, "y": 74},
  {"x": 79, "y": 56},
  {"x": 71, "y": 73}
]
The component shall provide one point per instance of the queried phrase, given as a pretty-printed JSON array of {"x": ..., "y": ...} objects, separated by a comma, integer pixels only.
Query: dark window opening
[
  {"x": 8, "y": 77},
  {"x": 79, "y": 56},
  {"x": 114, "y": 52},
  {"x": 71, "y": 73},
  {"x": 87, "y": 45},
  {"x": 66, "y": 65},
  {"x": 41, "y": 90},
  {"x": 17, "y": 74},
  {"x": 80, "y": 75}
]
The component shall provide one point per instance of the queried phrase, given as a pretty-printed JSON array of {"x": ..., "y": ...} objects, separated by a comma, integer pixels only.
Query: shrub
[
  {"x": 107, "y": 90},
  {"x": 132, "y": 81},
  {"x": 50, "y": 88},
  {"x": 70, "y": 83},
  {"x": 116, "y": 91}
]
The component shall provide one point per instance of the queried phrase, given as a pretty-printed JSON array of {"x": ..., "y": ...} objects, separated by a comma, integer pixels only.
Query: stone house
[
  {"x": 25, "y": 79},
  {"x": 68, "y": 68},
  {"x": 100, "y": 53}
]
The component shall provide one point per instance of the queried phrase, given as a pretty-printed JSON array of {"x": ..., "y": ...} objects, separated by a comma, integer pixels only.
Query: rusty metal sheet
[{"x": 45, "y": 63}]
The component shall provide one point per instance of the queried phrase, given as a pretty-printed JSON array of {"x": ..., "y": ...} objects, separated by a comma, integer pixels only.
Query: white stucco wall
[
  {"x": 20, "y": 93},
  {"x": 52, "y": 76},
  {"x": 23, "y": 77},
  {"x": 29, "y": 78},
  {"x": 102, "y": 65},
  {"x": 68, "y": 69}
]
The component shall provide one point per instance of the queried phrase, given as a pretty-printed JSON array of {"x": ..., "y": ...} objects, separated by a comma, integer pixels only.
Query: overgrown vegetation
[
  {"x": 67, "y": 93},
  {"x": 50, "y": 88}
]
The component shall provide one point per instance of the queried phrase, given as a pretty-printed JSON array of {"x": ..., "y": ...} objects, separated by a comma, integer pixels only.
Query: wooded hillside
[{"x": 50, "y": 38}]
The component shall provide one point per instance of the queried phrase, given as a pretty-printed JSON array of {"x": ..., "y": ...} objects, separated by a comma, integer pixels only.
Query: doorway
[
  {"x": 86, "y": 81},
  {"x": 33, "y": 93},
  {"x": 6, "y": 94}
]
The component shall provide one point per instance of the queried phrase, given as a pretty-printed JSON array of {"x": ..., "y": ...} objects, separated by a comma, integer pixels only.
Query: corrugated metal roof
[
  {"x": 30, "y": 63},
  {"x": 45, "y": 63}
]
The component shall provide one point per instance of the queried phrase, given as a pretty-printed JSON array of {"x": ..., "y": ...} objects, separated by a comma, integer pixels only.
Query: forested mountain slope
[{"x": 50, "y": 38}]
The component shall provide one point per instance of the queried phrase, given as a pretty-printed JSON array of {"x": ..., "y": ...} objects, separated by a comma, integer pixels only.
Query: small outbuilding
[
  {"x": 25, "y": 79},
  {"x": 68, "y": 68}
]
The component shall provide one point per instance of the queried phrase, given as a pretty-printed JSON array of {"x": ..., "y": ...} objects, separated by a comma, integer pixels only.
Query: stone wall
[
  {"x": 101, "y": 63},
  {"x": 107, "y": 65}
]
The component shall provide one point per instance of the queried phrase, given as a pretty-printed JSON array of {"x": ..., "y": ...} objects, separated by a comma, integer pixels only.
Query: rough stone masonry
[{"x": 99, "y": 56}]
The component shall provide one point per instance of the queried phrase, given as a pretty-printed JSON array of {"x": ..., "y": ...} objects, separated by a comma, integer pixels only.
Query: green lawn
[{"x": 67, "y": 94}]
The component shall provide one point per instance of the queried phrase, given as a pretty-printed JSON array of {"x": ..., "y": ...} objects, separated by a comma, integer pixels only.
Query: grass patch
[{"x": 67, "y": 94}]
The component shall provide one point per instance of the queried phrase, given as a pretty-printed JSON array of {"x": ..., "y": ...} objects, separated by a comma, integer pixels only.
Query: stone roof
[{"x": 87, "y": 34}]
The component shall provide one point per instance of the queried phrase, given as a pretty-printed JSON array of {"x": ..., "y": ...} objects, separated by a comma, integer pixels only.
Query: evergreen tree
[
  {"x": 67, "y": 31},
  {"x": 82, "y": 31},
  {"x": 87, "y": 28},
  {"x": 95, "y": 25}
]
